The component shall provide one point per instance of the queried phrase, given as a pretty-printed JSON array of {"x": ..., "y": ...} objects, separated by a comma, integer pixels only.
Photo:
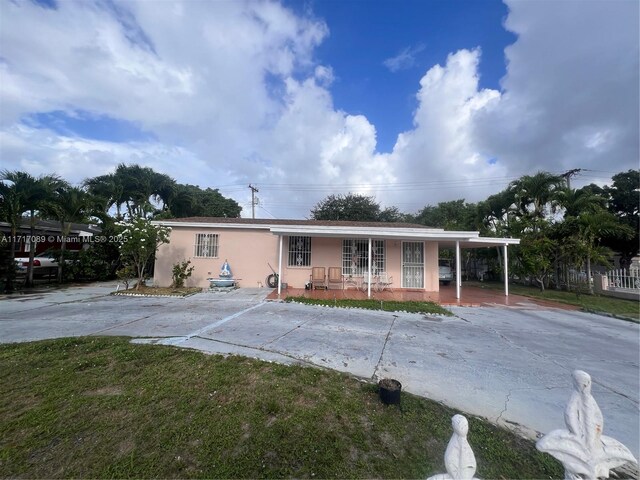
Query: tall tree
[
  {"x": 353, "y": 206},
  {"x": 453, "y": 215},
  {"x": 26, "y": 193},
  {"x": 68, "y": 204},
  {"x": 623, "y": 202},
  {"x": 535, "y": 196}
]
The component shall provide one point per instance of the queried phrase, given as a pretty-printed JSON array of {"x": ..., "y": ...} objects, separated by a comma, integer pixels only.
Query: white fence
[{"x": 623, "y": 280}]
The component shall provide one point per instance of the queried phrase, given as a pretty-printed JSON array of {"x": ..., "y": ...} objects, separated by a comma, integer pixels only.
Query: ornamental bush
[
  {"x": 139, "y": 240},
  {"x": 180, "y": 272}
]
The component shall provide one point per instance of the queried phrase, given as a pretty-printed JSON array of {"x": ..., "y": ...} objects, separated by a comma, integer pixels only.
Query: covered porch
[{"x": 420, "y": 259}]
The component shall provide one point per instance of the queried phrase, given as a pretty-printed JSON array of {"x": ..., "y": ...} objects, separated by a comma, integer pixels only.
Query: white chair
[{"x": 384, "y": 282}]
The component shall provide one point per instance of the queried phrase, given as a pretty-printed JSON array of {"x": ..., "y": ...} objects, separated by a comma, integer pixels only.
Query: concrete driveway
[{"x": 511, "y": 365}]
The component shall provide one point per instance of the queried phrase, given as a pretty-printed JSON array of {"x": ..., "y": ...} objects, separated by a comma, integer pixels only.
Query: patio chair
[
  {"x": 318, "y": 278},
  {"x": 384, "y": 282},
  {"x": 335, "y": 277},
  {"x": 364, "y": 286}
]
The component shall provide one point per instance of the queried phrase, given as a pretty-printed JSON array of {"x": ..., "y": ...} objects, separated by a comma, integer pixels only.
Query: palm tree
[
  {"x": 67, "y": 205},
  {"x": 583, "y": 200},
  {"x": 533, "y": 193},
  {"x": 26, "y": 193},
  {"x": 109, "y": 188},
  {"x": 12, "y": 207},
  {"x": 591, "y": 227}
]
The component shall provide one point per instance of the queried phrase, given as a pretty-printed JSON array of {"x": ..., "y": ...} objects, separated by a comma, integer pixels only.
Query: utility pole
[
  {"x": 567, "y": 175},
  {"x": 254, "y": 200}
]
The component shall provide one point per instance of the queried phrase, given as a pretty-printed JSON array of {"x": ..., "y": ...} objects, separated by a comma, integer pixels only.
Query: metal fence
[{"x": 623, "y": 280}]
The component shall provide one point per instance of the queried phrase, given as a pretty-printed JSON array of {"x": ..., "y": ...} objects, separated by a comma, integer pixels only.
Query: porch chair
[
  {"x": 335, "y": 277},
  {"x": 384, "y": 282},
  {"x": 318, "y": 278}
]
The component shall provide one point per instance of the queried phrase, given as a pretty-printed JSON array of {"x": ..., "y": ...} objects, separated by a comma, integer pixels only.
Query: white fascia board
[
  {"x": 246, "y": 226},
  {"x": 368, "y": 232},
  {"x": 495, "y": 241}
]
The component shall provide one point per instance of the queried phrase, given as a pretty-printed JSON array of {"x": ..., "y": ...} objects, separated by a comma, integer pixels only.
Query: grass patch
[
  {"x": 629, "y": 309},
  {"x": 163, "y": 291},
  {"x": 372, "y": 304},
  {"x": 102, "y": 407}
]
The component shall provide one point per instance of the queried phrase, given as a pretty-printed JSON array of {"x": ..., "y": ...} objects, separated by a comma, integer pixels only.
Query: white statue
[
  {"x": 459, "y": 459},
  {"x": 225, "y": 271},
  {"x": 582, "y": 449}
]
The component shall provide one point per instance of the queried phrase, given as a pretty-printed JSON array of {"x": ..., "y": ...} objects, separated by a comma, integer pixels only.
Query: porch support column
[
  {"x": 279, "y": 264},
  {"x": 506, "y": 270},
  {"x": 369, "y": 272},
  {"x": 458, "y": 276}
]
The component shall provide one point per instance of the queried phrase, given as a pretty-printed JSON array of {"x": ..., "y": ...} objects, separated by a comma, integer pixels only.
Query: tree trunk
[
  {"x": 556, "y": 266},
  {"x": 589, "y": 285},
  {"x": 63, "y": 247},
  {"x": 12, "y": 257},
  {"x": 32, "y": 250}
]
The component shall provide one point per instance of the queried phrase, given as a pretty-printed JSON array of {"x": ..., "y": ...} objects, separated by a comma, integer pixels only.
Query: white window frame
[
  {"x": 357, "y": 266},
  {"x": 299, "y": 251},
  {"x": 204, "y": 242}
]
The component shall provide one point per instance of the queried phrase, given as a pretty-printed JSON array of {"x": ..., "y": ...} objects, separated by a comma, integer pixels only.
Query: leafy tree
[
  {"x": 352, "y": 206},
  {"x": 22, "y": 193},
  {"x": 108, "y": 191},
  {"x": 139, "y": 242},
  {"x": 453, "y": 215},
  {"x": 623, "y": 202},
  {"x": 533, "y": 257},
  {"x": 535, "y": 197},
  {"x": 68, "y": 204}
]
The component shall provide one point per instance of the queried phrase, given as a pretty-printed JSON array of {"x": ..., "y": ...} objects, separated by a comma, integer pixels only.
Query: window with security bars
[
  {"x": 299, "y": 251},
  {"x": 355, "y": 256},
  {"x": 206, "y": 245}
]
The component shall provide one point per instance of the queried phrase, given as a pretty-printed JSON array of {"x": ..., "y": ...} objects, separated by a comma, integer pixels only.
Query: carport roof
[{"x": 346, "y": 229}]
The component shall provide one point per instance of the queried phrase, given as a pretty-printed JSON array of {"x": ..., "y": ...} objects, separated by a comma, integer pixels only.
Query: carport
[{"x": 398, "y": 235}]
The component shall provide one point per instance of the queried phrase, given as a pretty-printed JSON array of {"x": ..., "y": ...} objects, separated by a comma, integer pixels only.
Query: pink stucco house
[{"x": 406, "y": 252}]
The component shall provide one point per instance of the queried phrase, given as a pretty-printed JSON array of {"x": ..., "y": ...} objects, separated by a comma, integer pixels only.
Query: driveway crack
[{"x": 375, "y": 370}]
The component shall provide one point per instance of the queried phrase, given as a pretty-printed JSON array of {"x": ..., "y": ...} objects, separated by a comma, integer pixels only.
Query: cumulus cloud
[
  {"x": 570, "y": 95},
  {"x": 405, "y": 59},
  {"x": 231, "y": 93}
]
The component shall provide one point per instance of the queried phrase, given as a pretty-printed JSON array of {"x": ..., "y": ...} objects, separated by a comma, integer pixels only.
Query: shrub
[{"x": 180, "y": 272}]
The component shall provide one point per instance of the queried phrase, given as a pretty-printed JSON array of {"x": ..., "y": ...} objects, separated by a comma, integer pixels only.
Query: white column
[
  {"x": 458, "y": 276},
  {"x": 279, "y": 264},
  {"x": 506, "y": 270},
  {"x": 369, "y": 272}
]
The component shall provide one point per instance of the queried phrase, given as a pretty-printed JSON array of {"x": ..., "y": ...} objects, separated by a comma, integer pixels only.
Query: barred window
[
  {"x": 299, "y": 251},
  {"x": 206, "y": 245},
  {"x": 355, "y": 256}
]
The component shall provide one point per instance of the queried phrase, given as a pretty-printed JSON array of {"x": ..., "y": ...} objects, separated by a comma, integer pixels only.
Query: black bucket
[{"x": 390, "y": 391}]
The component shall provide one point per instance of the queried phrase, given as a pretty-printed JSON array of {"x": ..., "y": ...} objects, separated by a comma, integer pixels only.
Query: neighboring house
[
  {"x": 407, "y": 252},
  {"x": 48, "y": 236}
]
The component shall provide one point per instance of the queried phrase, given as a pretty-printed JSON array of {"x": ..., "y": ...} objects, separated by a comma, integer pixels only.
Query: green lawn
[
  {"x": 102, "y": 407},
  {"x": 591, "y": 303},
  {"x": 371, "y": 304}
]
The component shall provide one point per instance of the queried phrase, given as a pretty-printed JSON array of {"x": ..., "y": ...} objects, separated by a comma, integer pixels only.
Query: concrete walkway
[{"x": 510, "y": 364}]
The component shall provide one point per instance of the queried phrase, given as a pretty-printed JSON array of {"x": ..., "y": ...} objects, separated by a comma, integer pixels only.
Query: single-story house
[{"x": 256, "y": 248}]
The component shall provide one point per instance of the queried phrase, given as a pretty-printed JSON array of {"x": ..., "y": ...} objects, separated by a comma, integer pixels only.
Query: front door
[{"x": 412, "y": 265}]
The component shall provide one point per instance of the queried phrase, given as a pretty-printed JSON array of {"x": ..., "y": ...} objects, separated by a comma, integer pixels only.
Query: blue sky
[
  {"x": 414, "y": 102},
  {"x": 365, "y": 34}
]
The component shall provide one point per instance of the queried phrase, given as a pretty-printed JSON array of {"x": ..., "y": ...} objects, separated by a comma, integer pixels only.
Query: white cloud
[
  {"x": 233, "y": 94},
  {"x": 570, "y": 95},
  {"x": 406, "y": 58}
]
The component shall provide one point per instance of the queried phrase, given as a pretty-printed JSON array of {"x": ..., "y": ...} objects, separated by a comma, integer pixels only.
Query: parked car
[
  {"x": 43, "y": 264},
  {"x": 445, "y": 272}
]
